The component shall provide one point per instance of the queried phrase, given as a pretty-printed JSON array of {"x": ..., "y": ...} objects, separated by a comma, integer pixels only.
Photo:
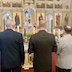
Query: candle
[
  {"x": 33, "y": 30},
  {"x": 54, "y": 31},
  {"x": 58, "y": 33},
  {"x": 17, "y": 28}
]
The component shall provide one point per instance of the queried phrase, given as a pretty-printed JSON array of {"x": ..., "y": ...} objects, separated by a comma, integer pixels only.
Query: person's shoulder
[
  {"x": 61, "y": 39},
  {"x": 1, "y": 34},
  {"x": 34, "y": 35},
  {"x": 50, "y": 34},
  {"x": 17, "y": 33}
]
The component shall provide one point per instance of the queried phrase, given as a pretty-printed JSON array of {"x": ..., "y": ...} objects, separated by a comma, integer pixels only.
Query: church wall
[
  {"x": 37, "y": 11},
  {"x": 0, "y": 20},
  {"x": 71, "y": 18}
]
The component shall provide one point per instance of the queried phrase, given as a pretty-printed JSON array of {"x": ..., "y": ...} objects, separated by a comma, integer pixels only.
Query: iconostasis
[{"x": 29, "y": 12}]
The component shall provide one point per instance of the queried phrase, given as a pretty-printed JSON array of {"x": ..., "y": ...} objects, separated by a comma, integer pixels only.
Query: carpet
[
  {"x": 30, "y": 70},
  {"x": 53, "y": 65}
]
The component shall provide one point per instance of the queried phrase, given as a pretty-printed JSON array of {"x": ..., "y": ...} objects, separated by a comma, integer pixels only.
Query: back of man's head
[
  {"x": 67, "y": 29},
  {"x": 42, "y": 24},
  {"x": 10, "y": 22}
]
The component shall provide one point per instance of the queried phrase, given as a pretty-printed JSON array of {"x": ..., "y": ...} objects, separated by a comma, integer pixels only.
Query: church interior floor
[
  {"x": 30, "y": 70},
  {"x": 53, "y": 65}
]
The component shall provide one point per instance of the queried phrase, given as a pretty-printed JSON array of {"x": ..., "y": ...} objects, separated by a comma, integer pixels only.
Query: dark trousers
[
  {"x": 62, "y": 70},
  {"x": 16, "y": 69}
]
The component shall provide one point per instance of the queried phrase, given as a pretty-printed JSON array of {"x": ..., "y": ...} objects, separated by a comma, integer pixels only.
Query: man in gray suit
[{"x": 64, "y": 51}]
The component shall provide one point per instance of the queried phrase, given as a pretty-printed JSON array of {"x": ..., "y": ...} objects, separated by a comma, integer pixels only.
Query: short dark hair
[
  {"x": 67, "y": 29},
  {"x": 42, "y": 23}
]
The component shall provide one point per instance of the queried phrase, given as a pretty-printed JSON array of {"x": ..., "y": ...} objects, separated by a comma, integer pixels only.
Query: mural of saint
[
  {"x": 66, "y": 19},
  {"x": 28, "y": 20},
  {"x": 28, "y": 1},
  {"x": 40, "y": 18},
  {"x": 58, "y": 20},
  {"x": 17, "y": 19},
  {"x": 6, "y": 16},
  {"x": 5, "y": 21}
]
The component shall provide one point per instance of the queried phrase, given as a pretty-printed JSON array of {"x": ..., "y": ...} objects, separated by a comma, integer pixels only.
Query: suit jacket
[
  {"x": 42, "y": 44},
  {"x": 12, "y": 49},
  {"x": 64, "y": 52}
]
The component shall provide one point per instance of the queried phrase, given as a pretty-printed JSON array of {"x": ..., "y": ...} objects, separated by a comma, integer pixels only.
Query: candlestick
[
  {"x": 58, "y": 33},
  {"x": 17, "y": 28},
  {"x": 54, "y": 31}
]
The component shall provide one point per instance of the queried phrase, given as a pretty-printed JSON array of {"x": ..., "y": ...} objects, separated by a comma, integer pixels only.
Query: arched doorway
[
  {"x": 49, "y": 20},
  {"x": 6, "y": 16},
  {"x": 29, "y": 19}
]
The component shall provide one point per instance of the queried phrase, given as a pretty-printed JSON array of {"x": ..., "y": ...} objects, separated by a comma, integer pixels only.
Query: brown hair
[{"x": 42, "y": 23}]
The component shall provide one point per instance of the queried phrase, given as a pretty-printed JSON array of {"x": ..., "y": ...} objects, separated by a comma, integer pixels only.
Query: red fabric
[
  {"x": 0, "y": 68},
  {"x": 53, "y": 64},
  {"x": 30, "y": 70}
]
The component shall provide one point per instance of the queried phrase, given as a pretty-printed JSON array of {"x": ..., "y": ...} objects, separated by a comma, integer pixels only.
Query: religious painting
[
  {"x": 6, "y": 4},
  {"x": 28, "y": 1},
  {"x": 17, "y": 18},
  {"x": 58, "y": 19},
  {"x": 16, "y": 4},
  {"x": 0, "y": 20},
  {"x": 66, "y": 18},
  {"x": 40, "y": 16},
  {"x": 58, "y": 0},
  {"x": 49, "y": 5},
  {"x": 40, "y": 0},
  {"x": 49, "y": 0},
  {"x": 60, "y": 6},
  {"x": 0, "y": 3},
  {"x": 40, "y": 5},
  {"x": 29, "y": 21},
  {"x": 6, "y": 16},
  {"x": 49, "y": 22},
  {"x": 66, "y": 6}
]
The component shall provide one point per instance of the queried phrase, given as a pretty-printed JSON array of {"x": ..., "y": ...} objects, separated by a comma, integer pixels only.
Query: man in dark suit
[
  {"x": 42, "y": 44},
  {"x": 12, "y": 49}
]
